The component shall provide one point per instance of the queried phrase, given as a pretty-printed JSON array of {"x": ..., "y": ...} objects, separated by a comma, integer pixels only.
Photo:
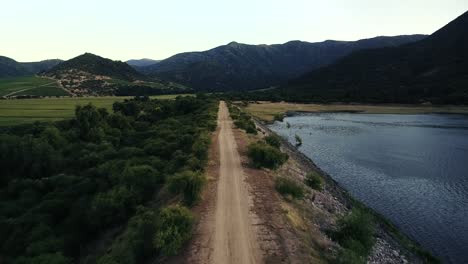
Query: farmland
[
  {"x": 30, "y": 85},
  {"x": 22, "y": 111}
]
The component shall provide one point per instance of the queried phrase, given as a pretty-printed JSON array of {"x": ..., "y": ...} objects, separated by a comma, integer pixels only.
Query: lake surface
[{"x": 413, "y": 169}]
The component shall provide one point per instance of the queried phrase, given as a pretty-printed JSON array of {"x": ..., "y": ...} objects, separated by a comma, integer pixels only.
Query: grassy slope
[
  {"x": 34, "y": 85},
  {"x": 23, "y": 111},
  {"x": 267, "y": 110}
]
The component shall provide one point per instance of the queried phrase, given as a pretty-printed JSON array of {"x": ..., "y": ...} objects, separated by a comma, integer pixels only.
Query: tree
[
  {"x": 113, "y": 206},
  {"x": 273, "y": 140},
  {"x": 264, "y": 155},
  {"x": 89, "y": 121},
  {"x": 189, "y": 184},
  {"x": 173, "y": 229}
]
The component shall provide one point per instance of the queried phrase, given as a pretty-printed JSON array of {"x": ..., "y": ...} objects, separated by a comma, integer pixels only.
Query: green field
[
  {"x": 22, "y": 111},
  {"x": 30, "y": 85}
]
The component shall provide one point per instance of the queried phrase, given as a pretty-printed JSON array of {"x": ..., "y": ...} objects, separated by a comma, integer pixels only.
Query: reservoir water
[{"x": 413, "y": 169}]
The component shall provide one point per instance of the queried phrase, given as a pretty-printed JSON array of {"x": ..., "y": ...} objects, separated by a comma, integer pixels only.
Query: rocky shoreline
[{"x": 391, "y": 246}]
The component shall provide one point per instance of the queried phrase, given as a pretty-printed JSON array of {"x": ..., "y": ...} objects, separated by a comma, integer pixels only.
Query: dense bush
[
  {"x": 289, "y": 187},
  {"x": 314, "y": 180},
  {"x": 136, "y": 243},
  {"x": 355, "y": 233},
  {"x": 173, "y": 229},
  {"x": 278, "y": 117},
  {"x": 273, "y": 140},
  {"x": 188, "y": 183},
  {"x": 242, "y": 120},
  {"x": 113, "y": 206},
  {"x": 64, "y": 184},
  {"x": 264, "y": 155},
  {"x": 246, "y": 125}
]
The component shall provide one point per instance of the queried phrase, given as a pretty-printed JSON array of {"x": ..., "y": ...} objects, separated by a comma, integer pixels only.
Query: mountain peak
[{"x": 233, "y": 43}]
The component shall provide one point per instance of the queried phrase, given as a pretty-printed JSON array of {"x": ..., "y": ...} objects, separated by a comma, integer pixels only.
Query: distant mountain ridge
[
  {"x": 434, "y": 69},
  {"x": 237, "y": 66},
  {"x": 142, "y": 62},
  {"x": 11, "y": 68}
]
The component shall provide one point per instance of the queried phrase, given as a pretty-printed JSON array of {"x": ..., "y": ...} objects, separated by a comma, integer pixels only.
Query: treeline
[
  {"x": 417, "y": 94},
  {"x": 137, "y": 90},
  {"x": 100, "y": 87},
  {"x": 64, "y": 184}
]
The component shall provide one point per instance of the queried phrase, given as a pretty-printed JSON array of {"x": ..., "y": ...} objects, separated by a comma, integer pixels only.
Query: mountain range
[
  {"x": 11, "y": 68},
  {"x": 141, "y": 62},
  {"x": 237, "y": 66},
  {"x": 434, "y": 69},
  {"x": 399, "y": 69}
]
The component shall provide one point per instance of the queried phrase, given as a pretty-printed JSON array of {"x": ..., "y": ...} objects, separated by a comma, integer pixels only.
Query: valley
[{"x": 349, "y": 150}]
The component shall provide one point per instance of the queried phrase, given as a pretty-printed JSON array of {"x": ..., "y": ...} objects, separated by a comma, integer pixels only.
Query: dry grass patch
[{"x": 267, "y": 110}]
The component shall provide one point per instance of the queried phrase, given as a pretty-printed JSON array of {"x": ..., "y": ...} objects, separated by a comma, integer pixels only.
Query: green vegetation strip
[
  {"x": 14, "y": 85},
  {"x": 23, "y": 111},
  {"x": 65, "y": 185}
]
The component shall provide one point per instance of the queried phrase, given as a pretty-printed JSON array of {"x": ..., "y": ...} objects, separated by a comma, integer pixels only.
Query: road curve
[{"x": 234, "y": 240}]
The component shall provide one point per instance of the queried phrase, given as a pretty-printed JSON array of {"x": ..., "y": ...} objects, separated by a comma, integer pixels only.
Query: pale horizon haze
[{"x": 122, "y": 30}]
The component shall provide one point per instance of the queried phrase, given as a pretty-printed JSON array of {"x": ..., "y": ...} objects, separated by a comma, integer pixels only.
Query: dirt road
[{"x": 234, "y": 240}]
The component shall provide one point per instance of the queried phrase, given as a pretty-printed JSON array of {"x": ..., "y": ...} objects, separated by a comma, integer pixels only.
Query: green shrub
[
  {"x": 278, "y": 117},
  {"x": 273, "y": 140},
  {"x": 264, "y": 155},
  {"x": 314, "y": 181},
  {"x": 356, "y": 232},
  {"x": 173, "y": 229},
  {"x": 142, "y": 179},
  {"x": 246, "y": 125},
  {"x": 188, "y": 183},
  {"x": 287, "y": 186},
  {"x": 136, "y": 243},
  {"x": 112, "y": 207},
  {"x": 242, "y": 120},
  {"x": 298, "y": 140},
  {"x": 347, "y": 256}
]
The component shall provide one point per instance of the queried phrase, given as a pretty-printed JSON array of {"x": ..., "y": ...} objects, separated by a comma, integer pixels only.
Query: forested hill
[
  {"x": 11, "y": 68},
  {"x": 237, "y": 66},
  {"x": 434, "y": 69},
  {"x": 96, "y": 65}
]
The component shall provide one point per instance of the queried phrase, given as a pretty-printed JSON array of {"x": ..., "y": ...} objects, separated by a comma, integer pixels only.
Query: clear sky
[{"x": 43, "y": 29}]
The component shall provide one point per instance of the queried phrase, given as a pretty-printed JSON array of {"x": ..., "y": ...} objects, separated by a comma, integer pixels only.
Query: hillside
[
  {"x": 89, "y": 74},
  {"x": 11, "y": 68},
  {"x": 237, "y": 66},
  {"x": 95, "y": 65},
  {"x": 41, "y": 66},
  {"x": 434, "y": 69}
]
